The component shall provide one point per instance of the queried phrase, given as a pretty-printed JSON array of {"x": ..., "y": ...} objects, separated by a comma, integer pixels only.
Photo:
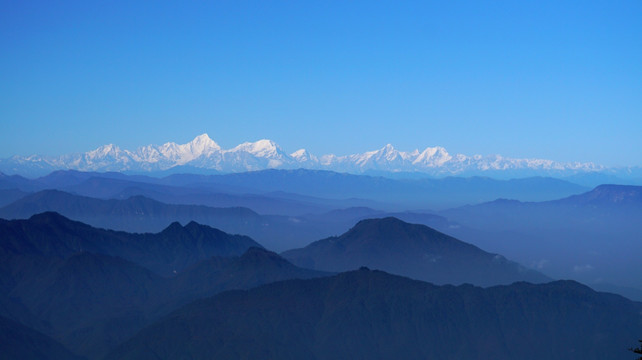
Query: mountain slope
[
  {"x": 412, "y": 193},
  {"x": 592, "y": 237},
  {"x": 255, "y": 267},
  {"x": 92, "y": 302},
  {"x": 19, "y": 342},
  {"x": 301, "y": 191},
  {"x": 134, "y": 214},
  {"x": 141, "y": 214},
  {"x": 7, "y": 196},
  {"x": 57, "y": 275},
  {"x": 416, "y": 251},
  {"x": 607, "y": 195},
  {"x": 50, "y": 236},
  {"x": 373, "y": 315}
]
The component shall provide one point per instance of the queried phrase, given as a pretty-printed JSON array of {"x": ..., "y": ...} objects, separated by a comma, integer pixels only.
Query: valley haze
[{"x": 384, "y": 180}]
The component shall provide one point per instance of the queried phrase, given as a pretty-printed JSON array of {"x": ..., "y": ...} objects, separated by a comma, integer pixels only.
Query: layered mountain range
[
  {"x": 367, "y": 314},
  {"x": 91, "y": 289},
  {"x": 69, "y": 289},
  {"x": 204, "y": 153}
]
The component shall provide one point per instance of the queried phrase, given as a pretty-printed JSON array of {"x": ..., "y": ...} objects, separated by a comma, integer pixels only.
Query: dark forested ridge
[
  {"x": 91, "y": 289},
  {"x": 20, "y": 342},
  {"x": 51, "y": 235},
  {"x": 368, "y": 314}
]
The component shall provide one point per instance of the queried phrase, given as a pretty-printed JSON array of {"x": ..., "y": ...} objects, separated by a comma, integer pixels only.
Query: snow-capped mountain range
[{"x": 205, "y": 153}]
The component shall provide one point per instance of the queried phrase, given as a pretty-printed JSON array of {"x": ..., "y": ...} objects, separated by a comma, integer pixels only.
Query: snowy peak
[
  {"x": 105, "y": 150},
  {"x": 203, "y": 152},
  {"x": 388, "y": 152},
  {"x": 203, "y": 143},
  {"x": 259, "y": 155},
  {"x": 302, "y": 156},
  {"x": 432, "y": 156},
  {"x": 179, "y": 154},
  {"x": 387, "y": 149},
  {"x": 263, "y": 148}
]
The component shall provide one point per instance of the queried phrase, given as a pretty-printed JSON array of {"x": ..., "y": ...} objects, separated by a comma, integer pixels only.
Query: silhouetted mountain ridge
[
  {"x": 51, "y": 234},
  {"x": 370, "y": 314},
  {"x": 141, "y": 214},
  {"x": 412, "y": 250},
  {"x": 64, "y": 278},
  {"x": 255, "y": 267}
]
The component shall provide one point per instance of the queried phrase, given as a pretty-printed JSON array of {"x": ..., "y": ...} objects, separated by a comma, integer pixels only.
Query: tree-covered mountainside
[{"x": 368, "y": 314}]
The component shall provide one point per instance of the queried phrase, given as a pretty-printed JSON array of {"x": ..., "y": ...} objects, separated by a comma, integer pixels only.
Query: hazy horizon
[
  {"x": 546, "y": 80},
  {"x": 470, "y": 168}
]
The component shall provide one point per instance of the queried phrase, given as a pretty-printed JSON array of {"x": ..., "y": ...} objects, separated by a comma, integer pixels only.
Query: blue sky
[{"x": 545, "y": 79}]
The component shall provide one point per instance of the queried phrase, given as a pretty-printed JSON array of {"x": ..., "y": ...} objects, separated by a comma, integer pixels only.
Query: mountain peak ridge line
[{"x": 204, "y": 153}]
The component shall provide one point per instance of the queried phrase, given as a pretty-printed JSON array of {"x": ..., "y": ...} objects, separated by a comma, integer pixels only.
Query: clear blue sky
[{"x": 547, "y": 79}]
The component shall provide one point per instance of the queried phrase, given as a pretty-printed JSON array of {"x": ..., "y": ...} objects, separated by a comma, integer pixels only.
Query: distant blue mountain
[
  {"x": 426, "y": 192},
  {"x": 593, "y": 237},
  {"x": 412, "y": 250},
  {"x": 296, "y": 192},
  {"x": 141, "y": 214}
]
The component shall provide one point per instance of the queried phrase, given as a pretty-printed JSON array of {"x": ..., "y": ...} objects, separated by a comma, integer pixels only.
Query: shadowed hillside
[
  {"x": 373, "y": 315},
  {"x": 416, "y": 251}
]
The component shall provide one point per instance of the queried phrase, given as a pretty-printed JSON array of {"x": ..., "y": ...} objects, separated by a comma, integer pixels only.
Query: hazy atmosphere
[{"x": 321, "y": 180}]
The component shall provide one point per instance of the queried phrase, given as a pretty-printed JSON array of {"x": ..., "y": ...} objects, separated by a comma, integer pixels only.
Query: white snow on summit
[
  {"x": 262, "y": 148},
  {"x": 303, "y": 156},
  {"x": 203, "y": 152},
  {"x": 432, "y": 156}
]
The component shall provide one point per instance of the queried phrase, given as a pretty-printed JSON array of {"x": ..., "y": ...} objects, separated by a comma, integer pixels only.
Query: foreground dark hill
[
  {"x": 373, "y": 315},
  {"x": 91, "y": 302},
  {"x": 54, "y": 279},
  {"x": 50, "y": 235},
  {"x": 593, "y": 237},
  {"x": 18, "y": 342},
  {"x": 87, "y": 287},
  {"x": 416, "y": 251},
  {"x": 255, "y": 267},
  {"x": 94, "y": 302}
]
